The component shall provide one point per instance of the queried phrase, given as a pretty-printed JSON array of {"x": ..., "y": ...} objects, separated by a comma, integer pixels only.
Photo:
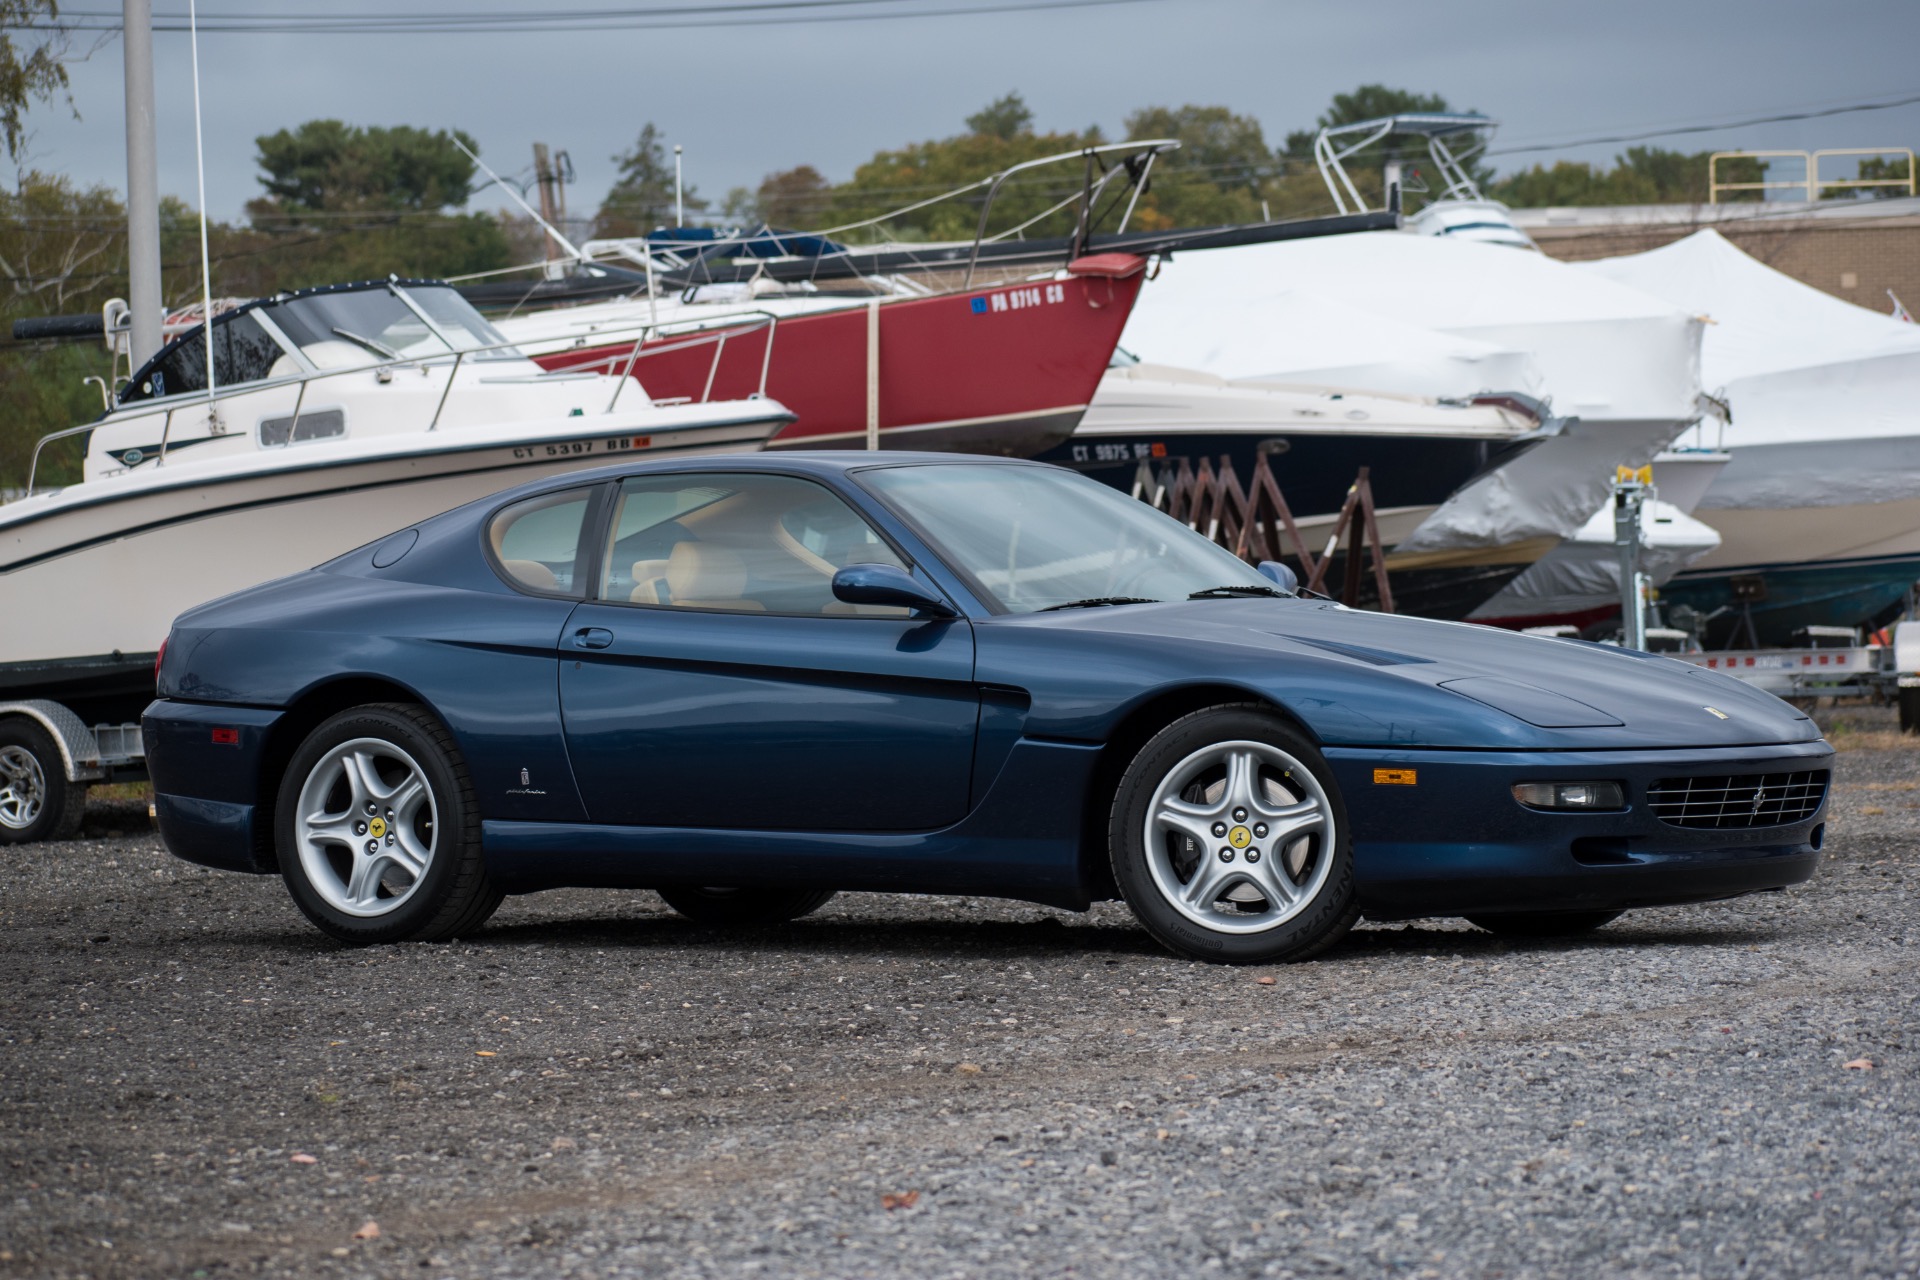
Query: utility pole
[
  {"x": 543, "y": 175},
  {"x": 143, "y": 185},
  {"x": 679, "y": 206}
]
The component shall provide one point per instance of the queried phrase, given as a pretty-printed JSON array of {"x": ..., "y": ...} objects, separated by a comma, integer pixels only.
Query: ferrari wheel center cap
[
  {"x": 377, "y": 828},
  {"x": 1239, "y": 837}
]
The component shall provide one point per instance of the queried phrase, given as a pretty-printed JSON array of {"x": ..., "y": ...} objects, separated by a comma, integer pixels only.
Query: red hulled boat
[{"x": 1007, "y": 369}]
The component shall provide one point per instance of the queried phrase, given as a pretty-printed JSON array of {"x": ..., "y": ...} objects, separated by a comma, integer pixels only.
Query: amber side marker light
[
  {"x": 1588, "y": 796},
  {"x": 1396, "y": 777}
]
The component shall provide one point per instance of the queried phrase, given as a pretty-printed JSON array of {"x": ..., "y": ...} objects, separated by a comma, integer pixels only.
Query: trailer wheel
[
  {"x": 1910, "y": 711},
  {"x": 36, "y": 800}
]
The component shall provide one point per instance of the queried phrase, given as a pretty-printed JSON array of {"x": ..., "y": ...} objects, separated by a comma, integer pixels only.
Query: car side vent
[{"x": 1745, "y": 800}]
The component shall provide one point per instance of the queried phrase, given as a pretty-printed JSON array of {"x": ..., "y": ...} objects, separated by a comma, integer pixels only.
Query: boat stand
[{"x": 1255, "y": 523}]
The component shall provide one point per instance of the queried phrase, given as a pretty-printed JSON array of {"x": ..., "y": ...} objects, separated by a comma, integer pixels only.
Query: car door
[{"x": 716, "y": 682}]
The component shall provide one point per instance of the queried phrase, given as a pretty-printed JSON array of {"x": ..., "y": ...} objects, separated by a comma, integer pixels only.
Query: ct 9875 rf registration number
[{"x": 580, "y": 448}]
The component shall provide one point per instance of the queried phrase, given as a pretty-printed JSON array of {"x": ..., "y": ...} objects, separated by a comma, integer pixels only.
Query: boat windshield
[
  {"x": 1033, "y": 538},
  {"x": 367, "y": 326}
]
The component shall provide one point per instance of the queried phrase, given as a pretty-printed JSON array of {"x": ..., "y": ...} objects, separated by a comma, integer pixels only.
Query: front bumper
[{"x": 1455, "y": 842}]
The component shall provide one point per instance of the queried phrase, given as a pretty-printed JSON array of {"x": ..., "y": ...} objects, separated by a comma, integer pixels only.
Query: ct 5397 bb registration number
[{"x": 580, "y": 448}]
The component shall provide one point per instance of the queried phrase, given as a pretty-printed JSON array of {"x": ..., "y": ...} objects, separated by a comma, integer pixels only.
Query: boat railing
[
  {"x": 669, "y": 338},
  {"x": 678, "y": 262}
]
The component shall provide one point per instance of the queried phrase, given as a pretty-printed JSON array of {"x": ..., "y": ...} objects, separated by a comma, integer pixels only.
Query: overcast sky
[{"x": 750, "y": 101}]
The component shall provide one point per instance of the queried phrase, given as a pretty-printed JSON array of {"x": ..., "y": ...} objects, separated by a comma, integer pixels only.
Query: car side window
[
  {"x": 536, "y": 543},
  {"x": 738, "y": 543}
]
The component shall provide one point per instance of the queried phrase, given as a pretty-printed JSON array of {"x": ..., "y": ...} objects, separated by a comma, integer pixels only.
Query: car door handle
[{"x": 592, "y": 638}]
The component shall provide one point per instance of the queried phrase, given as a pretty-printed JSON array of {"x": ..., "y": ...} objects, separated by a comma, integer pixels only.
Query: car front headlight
[{"x": 1577, "y": 796}]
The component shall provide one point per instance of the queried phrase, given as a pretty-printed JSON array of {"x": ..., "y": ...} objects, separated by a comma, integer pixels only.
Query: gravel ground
[{"x": 195, "y": 1083}]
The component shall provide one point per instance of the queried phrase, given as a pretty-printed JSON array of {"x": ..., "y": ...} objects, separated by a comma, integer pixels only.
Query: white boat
[
  {"x": 1460, "y": 211},
  {"x": 1620, "y": 365},
  {"x": 1578, "y": 582},
  {"x": 337, "y": 415},
  {"x": 1819, "y": 507}
]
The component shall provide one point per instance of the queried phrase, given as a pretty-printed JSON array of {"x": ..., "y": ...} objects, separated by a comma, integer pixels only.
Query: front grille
[{"x": 1745, "y": 800}]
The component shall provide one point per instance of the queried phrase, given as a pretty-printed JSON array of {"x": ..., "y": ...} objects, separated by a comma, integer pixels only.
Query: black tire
[
  {"x": 1910, "y": 710},
  {"x": 36, "y": 800},
  {"x": 452, "y": 897},
  {"x": 1544, "y": 924},
  {"x": 744, "y": 908},
  {"x": 1317, "y": 867}
]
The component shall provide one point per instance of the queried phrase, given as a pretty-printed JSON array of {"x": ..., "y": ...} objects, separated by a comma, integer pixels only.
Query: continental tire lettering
[{"x": 1207, "y": 940}]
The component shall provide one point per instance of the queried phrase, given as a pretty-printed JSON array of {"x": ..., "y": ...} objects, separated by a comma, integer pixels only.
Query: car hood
[{"x": 1359, "y": 677}]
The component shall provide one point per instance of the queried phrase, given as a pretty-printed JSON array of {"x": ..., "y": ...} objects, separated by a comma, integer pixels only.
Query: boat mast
[
  {"x": 679, "y": 204},
  {"x": 143, "y": 185},
  {"x": 200, "y": 165}
]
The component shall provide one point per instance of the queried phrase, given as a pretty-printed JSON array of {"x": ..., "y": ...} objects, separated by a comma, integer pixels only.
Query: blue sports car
[{"x": 750, "y": 682}]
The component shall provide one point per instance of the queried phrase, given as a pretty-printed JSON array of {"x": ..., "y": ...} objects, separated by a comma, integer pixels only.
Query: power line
[
  {"x": 1708, "y": 128},
  {"x": 773, "y": 13},
  {"x": 369, "y": 21}
]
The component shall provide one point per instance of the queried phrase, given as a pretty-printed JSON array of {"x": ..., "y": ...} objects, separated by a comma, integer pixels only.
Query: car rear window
[{"x": 536, "y": 543}]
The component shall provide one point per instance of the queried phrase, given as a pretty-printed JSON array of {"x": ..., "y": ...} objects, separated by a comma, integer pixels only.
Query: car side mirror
[
  {"x": 1280, "y": 575},
  {"x": 887, "y": 584}
]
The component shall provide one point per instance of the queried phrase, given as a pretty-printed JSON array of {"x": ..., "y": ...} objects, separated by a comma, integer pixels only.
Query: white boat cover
[
  {"x": 1825, "y": 394},
  {"x": 1158, "y": 397},
  {"x": 1602, "y": 351},
  {"x": 1583, "y": 573},
  {"x": 1391, "y": 312},
  {"x": 1295, "y": 335}
]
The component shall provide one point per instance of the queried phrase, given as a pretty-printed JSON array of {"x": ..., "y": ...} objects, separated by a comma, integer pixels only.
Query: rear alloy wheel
[
  {"x": 745, "y": 908},
  {"x": 378, "y": 833},
  {"x": 1544, "y": 924},
  {"x": 1229, "y": 839},
  {"x": 36, "y": 800}
]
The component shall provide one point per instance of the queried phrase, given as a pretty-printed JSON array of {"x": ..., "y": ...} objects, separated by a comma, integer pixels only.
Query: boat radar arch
[{"x": 1460, "y": 211}]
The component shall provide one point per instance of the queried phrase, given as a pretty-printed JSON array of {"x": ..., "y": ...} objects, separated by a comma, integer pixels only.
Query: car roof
[{"x": 814, "y": 462}]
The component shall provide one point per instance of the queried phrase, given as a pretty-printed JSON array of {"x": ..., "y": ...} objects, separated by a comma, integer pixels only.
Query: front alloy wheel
[{"x": 1229, "y": 840}]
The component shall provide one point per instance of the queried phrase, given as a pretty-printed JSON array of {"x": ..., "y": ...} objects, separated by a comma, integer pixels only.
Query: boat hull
[
  {"x": 1811, "y": 534},
  {"x": 90, "y": 588},
  {"x": 1845, "y": 593},
  {"x": 1313, "y": 471},
  {"x": 1007, "y": 370},
  {"x": 1448, "y": 592}
]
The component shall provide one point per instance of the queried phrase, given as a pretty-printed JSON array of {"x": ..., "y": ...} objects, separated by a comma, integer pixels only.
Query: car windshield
[{"x": 1035, "y": 538}]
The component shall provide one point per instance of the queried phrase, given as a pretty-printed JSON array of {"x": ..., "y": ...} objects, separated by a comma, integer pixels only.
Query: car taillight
[{"x": 158, "y": 659}]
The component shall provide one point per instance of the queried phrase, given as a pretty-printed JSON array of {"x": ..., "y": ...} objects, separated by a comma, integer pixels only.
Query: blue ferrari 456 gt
[{"x": 749, "y": 682}]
